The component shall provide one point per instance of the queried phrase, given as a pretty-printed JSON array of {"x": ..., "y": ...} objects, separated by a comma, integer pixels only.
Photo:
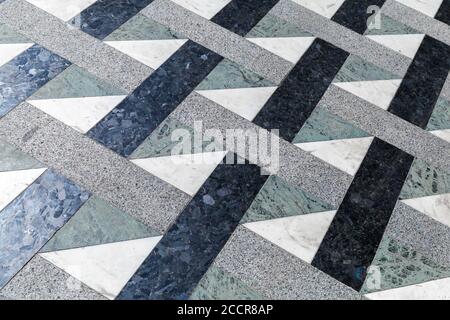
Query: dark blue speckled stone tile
[
  {"x": 240, "y": 16},
  {"x": 299, "y": 93},
  {"x": 444, "y": 12},
  {"x": 134, "y": 119},
  {"x": 184, "y": 254},
  {"x": 105, "y": 16},
  {"x": 26, "y": 73},
  {"x": 28, "y": 222},
  {"x": 353, "y": 14}
]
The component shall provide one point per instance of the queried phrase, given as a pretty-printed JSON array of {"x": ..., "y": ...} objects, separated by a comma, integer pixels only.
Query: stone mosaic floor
[{"x": 95, "y": 205}]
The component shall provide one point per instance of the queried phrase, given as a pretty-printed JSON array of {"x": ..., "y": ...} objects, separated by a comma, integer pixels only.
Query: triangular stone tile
[
  {"x": 290, "y": 49},
  {"x": 436, "y": 207},
  {"x": 397, "y": 265},
  {"x": 406, "y": 44},
  {"x": 152, "y": 53},
  {"x": 205, "y": 8},
  {"x": 13, "y": 159},
  {"x": 273, "y": 27},
  {"x": 246, "y": 102},
  {"x": 440, "y": 118},
  {"x": 230, "y": 75},
  {"x": 105, "y": 268},
  {"x": 324, "y": 126},
  {"x": 443, "y": 134},
  {"x": 432, "y": 290},
  {"x": 186, "y": 172},
  {"x": 96, "y": 223},
  {"x": 75, "y": 82},
  {"x": 326, "y": 8},
  {"x": 298, "y": 235},
  {"x": 379, "y": 92},
  {"x": 141, "y": 27},
  {"x": 13, "y": 183},
  {"x": 80, "y": 113},
  {"x": 428, "y": 7},
  {"x": 10, "y": 51},
  {"x": 64, "y": 10},
  {"x": 391, "y": 26},
  {"x": 358, "y": 69},
  {"x": 425, "y": 180},
  {"x": 345, "y": 154},
  {"x": 279, "y": 199}
]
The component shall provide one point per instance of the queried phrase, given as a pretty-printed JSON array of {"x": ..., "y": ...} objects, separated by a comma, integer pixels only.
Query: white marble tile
[
  {"x": 378, "y": 92},
  {"x": 152, "y": 53},
  {"x": 106, "y": 268},
  {"x": 299, "y": 235},
  {"x": 428, "y": 7},
  {"x": 246, "y": 102},
  {"x": 326, "y": 8},
  {"x": 186, "y": 172},
  {"x": 62, "y": 9},
  {"x": 436, "y": 207},
  {"x": 289, "y": 48},
  {"x": 10, "y": 51},
  {"x": 80, "y": 113},
  {"x": 406, "y": 44},
  {"x": 443, "y": 134},
  {"x": 13, "y": 183},
  {"x": 344, "y": 154},
  {"x": 431, "y": 290},
  {"x": 205, "y": 8}
]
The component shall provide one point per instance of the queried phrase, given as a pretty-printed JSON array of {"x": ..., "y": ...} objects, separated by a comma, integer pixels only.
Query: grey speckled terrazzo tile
[
  {"x": 7, "y": 35},
  {"x": 75, "y": 82},
  {"x": 98, "y": 58},
  {"x": 218, "y": 39},
  {"x": 142, "y": 28},
  {"x": 229, "y": 75},
  {"x": 278, "y": 199},
  {"x": 275, "y": 273},
  {"x": 13, "y": 159},
  {"x": 217, "y": 284},
  {"x": 137, "y": 192},
  {"x": 397, "y": 265},
  {"x": 41, "y": 280},
  {"x": 425, "y": 180},
  {"x": 95, "y": 223},
  {"x": 323, "y": 126},
  {"x": 272, "y": 26}
]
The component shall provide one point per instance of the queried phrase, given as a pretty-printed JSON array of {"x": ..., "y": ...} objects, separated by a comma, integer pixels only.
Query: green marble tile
[
  {"x": 425, "y": 180},
  {"x": 440, "y": 119},
  {"x": 217, "y": 284},
  {"x": 272, "y": 27},
  {"x": 160, "y": 143},
  {"x": 13, "y": 159},
  {"x": 142, "y": 28},
  {"x": 278, "y": 199},
  {"x": 229, "y": 75},
  {"x": 8, "y": 35},
  {"x": 75, "y": 82},
  {"x": 323, "y": 126},
  {"x": 357, "y": 69},
  {"x": 95, "y": 223},
  {"x": 398, "y": 266},
  {"x": 391, "y": 26}
]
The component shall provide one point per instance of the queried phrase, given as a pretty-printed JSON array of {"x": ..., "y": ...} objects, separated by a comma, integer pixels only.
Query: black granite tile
[
  {"x": 423, "y": 82},
  {"x": 28, "y": 222},
  {"x": 353, "y": 14},
  {"x": 444, "y": 12},
  {"x": 297, "y": 96},
  {"x": 181, "y": 258},
  {"x": 351, "y": 242},
  {"x": 240, "y": 16},
  {"x": 134, "y": 119},
  {"x": 104, "y": 16},
  {"x": 26, "y": 73}
]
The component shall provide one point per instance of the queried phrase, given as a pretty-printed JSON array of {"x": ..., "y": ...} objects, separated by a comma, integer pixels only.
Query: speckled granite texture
[{"x": 119, "y": 177}]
